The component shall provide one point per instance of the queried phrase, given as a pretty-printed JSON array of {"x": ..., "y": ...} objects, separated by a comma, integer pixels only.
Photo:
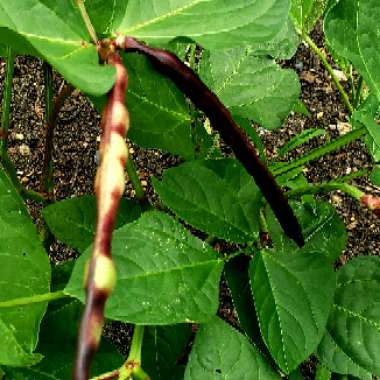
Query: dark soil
[{"x": 77, "y": 135}]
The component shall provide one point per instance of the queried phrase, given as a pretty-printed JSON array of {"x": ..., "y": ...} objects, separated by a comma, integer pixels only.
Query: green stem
[
  {"x": 136, "y": 345},
  {"x": 33, "y": 195},
  {"x": 358, "y": 92},
  {"x": 140, "y": 374},
  {"x": 108, "y": 376},
  {"x": 321, "y": 151},
  {"x": 353, "y": 175},
  {"x": 327, "y": 187},
  {"x": 37, "y": 298},
  {"x": 330, "y": 70},
  {"x": 87, "y": 22},
  {"x": 6, "y": 106},
  {"x": 47, "y": 170},
  {"x": 135, "y": 180}
]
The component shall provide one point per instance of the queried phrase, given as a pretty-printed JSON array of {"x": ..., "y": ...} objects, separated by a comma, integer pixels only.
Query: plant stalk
[
  {"x": 38, "y": 298},
  {"x": 6, "y": 104},
  {"x": 108, "y": 376},
  {"x": 321, "y": 151},
  {"x": 350, "y": 190},
  {"x": 136, "y": 345},
  {"x": 135, "y": 180},
  {"x": 330, "y": 70},
  {"x": 87, "y": 21}
]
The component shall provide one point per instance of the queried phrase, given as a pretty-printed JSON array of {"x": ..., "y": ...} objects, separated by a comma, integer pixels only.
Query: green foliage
[
  {"x": 354, "y": 319},
  {"x": 218, "y": 197},
  {"x": 24, "y": 272},
  {"x": 156, "y": 255},
  {"x": 359, "y": 20},
  {"x": 291, "y": 305},
  {"x": 220, "y": 351},
  {"x": 249, "y": 21},
  {"x": 305, "y": 13},
  {"x": 57, "y": 344},
  {"x": 73, "y": 221},
  {"x": 300, "y": 139},
  {"x": 252, "y": 87}
]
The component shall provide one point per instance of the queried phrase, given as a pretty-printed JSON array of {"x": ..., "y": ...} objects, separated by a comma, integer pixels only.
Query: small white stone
[{"x": 24, "y": 150}]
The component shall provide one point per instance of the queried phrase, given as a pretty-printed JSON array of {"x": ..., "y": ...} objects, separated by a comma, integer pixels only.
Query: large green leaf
[
  {"x": 305, "y": 13},
  {"x": 165, "y": 274},
  {"x": 24, "y": 272},
  {"x": 159, "y": 113},
  {"x": 354, "y": 323},
  {"x": 73, "y": 220},
  {"x": 58, "y": 341},
  {"x": 293, "y": 293},
  {"x": 323, "y": 230},
  {"x": 162, "y": 348},
  {"x": 218, "y": 197},
  {"x": 211, "y": 23},
  {"x": 351, "y": 28},
  {"x": 56, "y": 31},
  {"x": 221, "y": 352},
  {"x": 250, "y": 86}
]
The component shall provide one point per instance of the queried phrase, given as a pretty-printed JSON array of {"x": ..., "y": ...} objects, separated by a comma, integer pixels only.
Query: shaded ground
[{"x": 77, "y": 136}]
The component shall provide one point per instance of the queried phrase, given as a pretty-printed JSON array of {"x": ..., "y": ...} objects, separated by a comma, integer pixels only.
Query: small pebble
[
  {"x": 24, "y": 150},
  {"x": 319, "y": 115},
  {"x": 19, "y": 136}
]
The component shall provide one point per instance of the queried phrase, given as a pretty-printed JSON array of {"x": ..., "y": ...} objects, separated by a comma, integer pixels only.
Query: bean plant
[{"x": 186, "y": 77}]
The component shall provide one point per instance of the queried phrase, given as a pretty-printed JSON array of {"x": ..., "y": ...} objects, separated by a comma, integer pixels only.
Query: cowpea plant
[{"x": 289, "y": 302}]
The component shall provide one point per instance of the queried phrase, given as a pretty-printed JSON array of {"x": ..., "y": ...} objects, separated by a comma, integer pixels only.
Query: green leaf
[
  {"x": 24, "y": 272},
  {"x": 252, "y": 87},
  {"x": 322, "y": 228},
  {"x": 58, "y": 342},
  {"x": 221, "y": 352},
  {"x": 299, "y": 140},
  {"x": 306, "y": 13},
  {"x": 282, "y": 46},
  {"x": 375, "y": 176},
  {"x": 293, "y": 293},
  {"x": 159, "y": 113},
  {"x": 334, "y": 358},
  {"x": 162, "y": 348},
  {"x": 354, "y": 323},
  {"x": 73, "y": 220},
  {"x": 165, "y": 274},
  {"x": 249, "y": 21},
  {"x": 105, "y": 14},
  {"x": 217, "y": 197},
  {"x": 351, "y": 28},
  {"x": 56, "y": 30},
  {"x": 237, "y": 276}
]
